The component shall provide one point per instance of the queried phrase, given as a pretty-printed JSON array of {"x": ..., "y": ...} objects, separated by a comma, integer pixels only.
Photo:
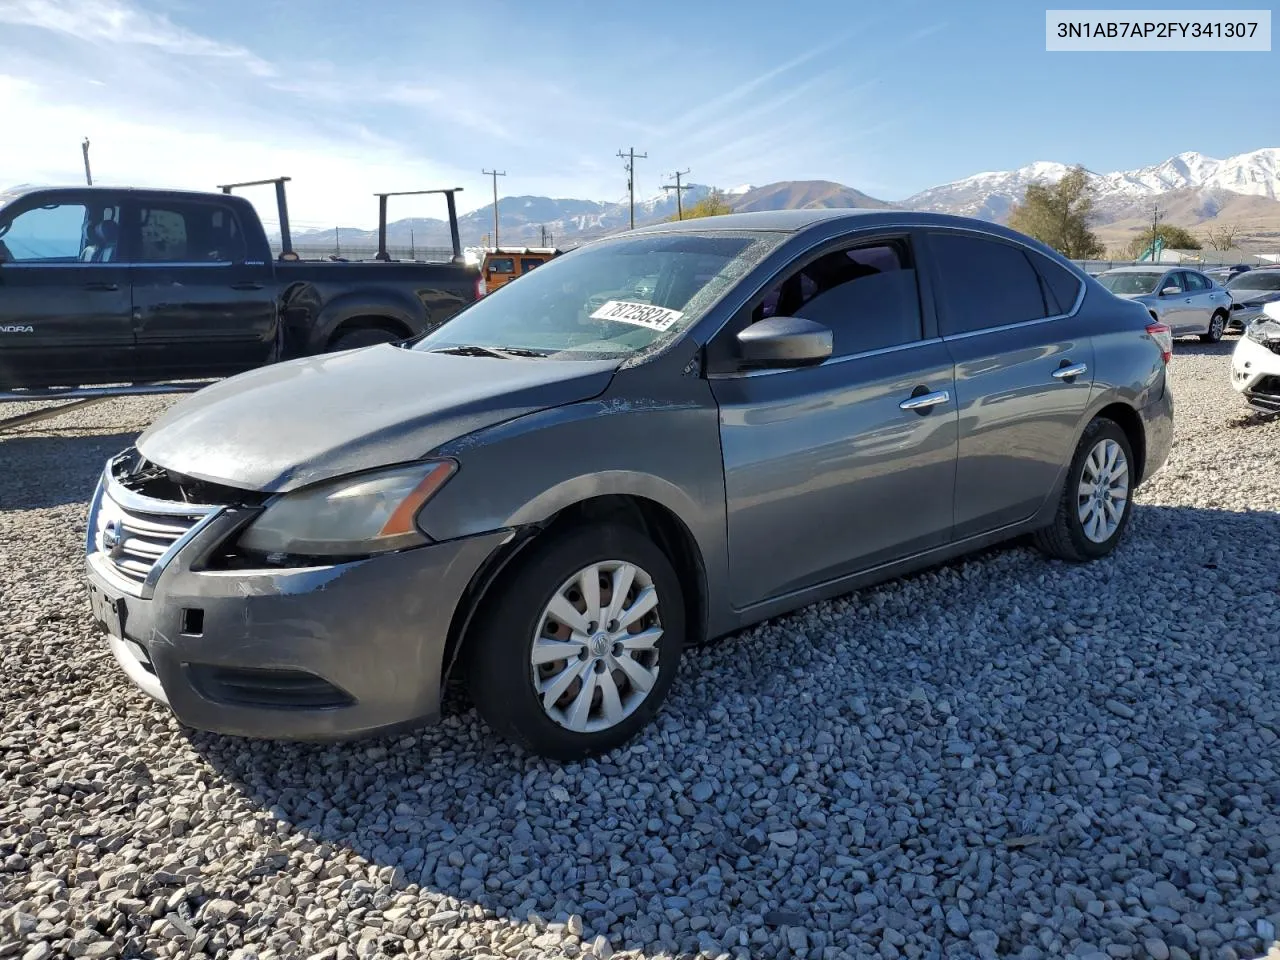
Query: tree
[
  {"x": 1223, "y": 237},
  {"x": 1175, "y": 238},
  {"x": 713, "y": 204},
  {"x": 1058, "y": 215}
]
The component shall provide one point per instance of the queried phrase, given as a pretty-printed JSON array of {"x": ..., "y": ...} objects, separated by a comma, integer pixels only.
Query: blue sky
[{"x": 350, "y": 98}]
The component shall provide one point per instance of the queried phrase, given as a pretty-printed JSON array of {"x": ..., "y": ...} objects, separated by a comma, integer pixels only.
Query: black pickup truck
[{"x": 119, "y": 285}]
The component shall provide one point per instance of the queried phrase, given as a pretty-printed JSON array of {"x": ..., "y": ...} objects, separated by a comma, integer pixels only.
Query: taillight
[
  {"x": 480, "y": 288},
  {"x": 1162, "y": 334}
]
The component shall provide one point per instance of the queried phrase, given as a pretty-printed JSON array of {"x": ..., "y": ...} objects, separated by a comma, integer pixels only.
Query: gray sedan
[
  {"x": 1187, "y": 300},
  {"x": 561, "y": 487}
]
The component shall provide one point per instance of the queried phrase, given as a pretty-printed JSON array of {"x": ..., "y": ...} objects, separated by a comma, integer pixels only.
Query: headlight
[
  {"x": 353, "y": 516},
  {"x": 1263, "y": 330}
]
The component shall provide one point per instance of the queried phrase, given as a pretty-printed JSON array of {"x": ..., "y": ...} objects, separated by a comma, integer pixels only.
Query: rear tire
[
  {"x": 362, "y": 337},
  {"x": 529, "y": 668},
  {"x": 1096, "y": 498},
  {"x": 1217, "y": 326}
]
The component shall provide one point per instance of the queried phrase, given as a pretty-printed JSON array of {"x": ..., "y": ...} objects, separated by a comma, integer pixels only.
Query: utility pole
[
  {"x": 84, "y": 147},
  {"x": 679, "y": 192},
  {"x": 1155, "y": 224},
  {"x": 495, "y": 174},
  {"x": 337, "y": 241},
  {"x": 412, "y": 249},
  {"x": 631, "y": 157}
]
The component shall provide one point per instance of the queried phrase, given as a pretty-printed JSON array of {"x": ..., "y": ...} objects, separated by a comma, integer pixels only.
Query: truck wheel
[
  {"x": 363, "y": 337},
  {"x": 575, "y": 650}
]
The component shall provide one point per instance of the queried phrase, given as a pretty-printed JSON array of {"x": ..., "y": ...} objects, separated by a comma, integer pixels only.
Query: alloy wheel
[{"x": 1103, "y": 492}]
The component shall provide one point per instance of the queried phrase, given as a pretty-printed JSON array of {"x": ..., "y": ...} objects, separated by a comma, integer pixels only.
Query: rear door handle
[
  {"x": 246, "y": 285},
  {"x": 102, "y": 286},
  {"x": 1188, "y": 300},
  {"x": 1069, "y": 372},
  {"x": 924, "y": 402}
]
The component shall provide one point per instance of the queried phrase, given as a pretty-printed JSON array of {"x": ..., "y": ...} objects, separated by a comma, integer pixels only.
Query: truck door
[
  {"x": 201, "y": 306},
  {"x": 64, "y": 292}
]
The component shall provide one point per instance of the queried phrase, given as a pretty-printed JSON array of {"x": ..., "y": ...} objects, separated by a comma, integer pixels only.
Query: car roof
[
  {"x": 1154, "y": 268},
  {"x": 797, "y": 221}
]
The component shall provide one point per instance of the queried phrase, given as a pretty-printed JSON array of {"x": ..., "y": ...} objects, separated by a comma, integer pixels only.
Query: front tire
[
  {"x": 1096, "y": 500},
  {"x": 1217, "y": 326},
  {"x": 576, "y": 648}
]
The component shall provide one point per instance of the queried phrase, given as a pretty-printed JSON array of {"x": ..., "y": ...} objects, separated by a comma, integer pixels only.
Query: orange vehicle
[{"x": 504, "y": 264}]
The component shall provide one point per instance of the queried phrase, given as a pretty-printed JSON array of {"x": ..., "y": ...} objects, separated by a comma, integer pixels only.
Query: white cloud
[
  {"x": 163, "y": 106},
  {"x": 108, "y": 22}
]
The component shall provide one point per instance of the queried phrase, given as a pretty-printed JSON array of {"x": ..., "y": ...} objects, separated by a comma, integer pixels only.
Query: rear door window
[
  {"x": 1061, "y": 286},
  {"x": 984, "y": 283},
  {"x": 178, "y": 232},
  {"x": 1195, "y": 281}
]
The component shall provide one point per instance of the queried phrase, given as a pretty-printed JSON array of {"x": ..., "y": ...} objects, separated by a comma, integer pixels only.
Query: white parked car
[{"x": 1255, "y": 363}]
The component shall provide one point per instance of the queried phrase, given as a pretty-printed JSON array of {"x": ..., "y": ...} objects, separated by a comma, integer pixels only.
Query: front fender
[{"x": 527, "y": 470}]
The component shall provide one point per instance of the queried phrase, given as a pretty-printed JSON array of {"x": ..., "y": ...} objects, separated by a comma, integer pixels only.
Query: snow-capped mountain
[
  {"x": 991, "y": 195},
  {"x": 1195, "y": 188}
]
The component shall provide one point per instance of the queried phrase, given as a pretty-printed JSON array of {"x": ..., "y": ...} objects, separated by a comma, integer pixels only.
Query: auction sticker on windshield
[{"x": 640, "y": 314}]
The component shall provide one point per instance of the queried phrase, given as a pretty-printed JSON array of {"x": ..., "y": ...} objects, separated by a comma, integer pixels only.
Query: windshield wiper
[{"x": 502, "y": 353}]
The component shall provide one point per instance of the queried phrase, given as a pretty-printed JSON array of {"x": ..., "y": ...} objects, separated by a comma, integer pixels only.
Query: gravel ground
[{"x": 1001, "y": 757}]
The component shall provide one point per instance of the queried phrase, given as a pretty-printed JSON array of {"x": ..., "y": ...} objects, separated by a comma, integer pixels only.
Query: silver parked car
[
  {"x": 569, "y": 481},
  {"x": 1188, "y": 301}
]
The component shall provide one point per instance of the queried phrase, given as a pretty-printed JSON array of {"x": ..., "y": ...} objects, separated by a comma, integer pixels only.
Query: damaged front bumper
[
  {"x": 317, "y": 652},
  {"x": 1255, "y": 365}
]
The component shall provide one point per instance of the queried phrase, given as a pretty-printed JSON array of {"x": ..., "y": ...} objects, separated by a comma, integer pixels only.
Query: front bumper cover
[
  {"x": 326, "y": 652},
  {"x": 1255, "y": 373}
]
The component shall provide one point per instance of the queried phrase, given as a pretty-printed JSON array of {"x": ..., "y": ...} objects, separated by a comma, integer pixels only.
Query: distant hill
[{"x": 805, "y": 195}]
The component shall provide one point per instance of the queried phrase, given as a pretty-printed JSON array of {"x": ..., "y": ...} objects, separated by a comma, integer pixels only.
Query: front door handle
[
  {"x": 1188, "y": 300},
  {"x": 247, "y": 285},
  {"x": 102, "y": 286},
  {"x": 1069, "y": 372},
  {"x": 924, "y": 402}
]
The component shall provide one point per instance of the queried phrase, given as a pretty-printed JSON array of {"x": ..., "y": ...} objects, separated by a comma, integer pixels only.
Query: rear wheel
[
  {"x": 362, "y": 337},
  {"x": 575, "y": 650},
  {"x": 1217, "y": 325},
  {"x": 1095, "y": 504}
]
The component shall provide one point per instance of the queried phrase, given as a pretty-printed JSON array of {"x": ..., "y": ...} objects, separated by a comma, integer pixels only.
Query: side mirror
[
  {"x": 1170, "y": 292},
  {"x": 784, "y": 342}
]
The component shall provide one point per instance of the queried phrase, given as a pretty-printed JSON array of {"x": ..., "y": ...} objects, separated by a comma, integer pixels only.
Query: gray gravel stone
[{"x": 1002, "y": 754}]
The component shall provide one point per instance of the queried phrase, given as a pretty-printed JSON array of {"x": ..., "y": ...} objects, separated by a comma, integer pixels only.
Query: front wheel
[
  {"x": 1217, "y": 326},
  {"x": 1095, "y": 504},
  {"x": 574, "y": 651}
]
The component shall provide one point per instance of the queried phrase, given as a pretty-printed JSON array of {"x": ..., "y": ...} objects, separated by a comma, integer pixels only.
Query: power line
[
  {"x": 679, "y": 192},
  {"x": 495, "y": 174},
  {"x": 631, "y": 156}
]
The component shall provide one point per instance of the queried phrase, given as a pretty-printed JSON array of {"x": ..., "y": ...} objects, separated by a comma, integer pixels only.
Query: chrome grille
[{"x": 131, "y": 541}]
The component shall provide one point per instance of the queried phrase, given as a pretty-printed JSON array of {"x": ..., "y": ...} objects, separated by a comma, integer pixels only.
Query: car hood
[
  {"x": 1254, "y": 296},
  {"x": 290, "y": 424}
]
